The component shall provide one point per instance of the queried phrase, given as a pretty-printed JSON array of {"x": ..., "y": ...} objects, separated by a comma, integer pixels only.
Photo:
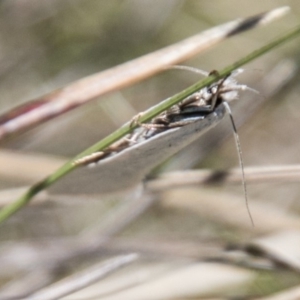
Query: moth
[
  {"x": 195, "y": 107},
  {"x": 198, "y": 108}
]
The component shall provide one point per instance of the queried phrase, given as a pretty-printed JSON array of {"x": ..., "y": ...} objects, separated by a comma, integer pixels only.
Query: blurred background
[{"x": 45, "y": 45}]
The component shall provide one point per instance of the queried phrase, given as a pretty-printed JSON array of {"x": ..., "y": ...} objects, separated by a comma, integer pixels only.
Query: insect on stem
[{"x": 195, "y": 107}]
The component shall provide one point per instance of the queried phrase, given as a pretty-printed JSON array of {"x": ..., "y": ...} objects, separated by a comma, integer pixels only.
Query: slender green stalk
[{"x": 9, "y": 210}]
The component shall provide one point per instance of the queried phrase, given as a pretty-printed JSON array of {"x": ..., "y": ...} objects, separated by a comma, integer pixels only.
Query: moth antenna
[
  {"x": 240, "y": 156},
  {"x": 187, "y": 68},
  {"x": 244, "y": 87}
]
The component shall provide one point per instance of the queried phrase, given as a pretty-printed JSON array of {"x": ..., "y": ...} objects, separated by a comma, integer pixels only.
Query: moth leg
[
  {"x": 154, "y": 125},
  {"x": 135, "y": 121},
  {"x": 169, "y": 125},
  {"x": 218, "y": 91},
  {"x": 196, "y": 97},
  {"x": 89, "y": 158},
  {"x": 96, "y": 156}
]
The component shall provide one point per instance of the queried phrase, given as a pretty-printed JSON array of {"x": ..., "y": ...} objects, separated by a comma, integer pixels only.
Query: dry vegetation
[{"x": 178, "y": 241}]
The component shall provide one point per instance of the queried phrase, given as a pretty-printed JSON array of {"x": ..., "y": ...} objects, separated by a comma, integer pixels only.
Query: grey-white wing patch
[{"x": 130, "y": 166}]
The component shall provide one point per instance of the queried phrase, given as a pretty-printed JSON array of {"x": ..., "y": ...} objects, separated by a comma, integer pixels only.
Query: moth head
[{"x": 230, "y": 87}]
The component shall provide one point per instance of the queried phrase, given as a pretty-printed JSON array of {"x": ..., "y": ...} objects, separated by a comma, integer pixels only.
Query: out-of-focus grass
[{"x": 47, "y": 44}]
